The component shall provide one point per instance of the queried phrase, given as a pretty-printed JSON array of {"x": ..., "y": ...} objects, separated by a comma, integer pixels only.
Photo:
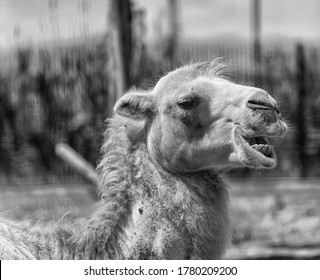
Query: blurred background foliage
[{"x": 59, "y": 92}]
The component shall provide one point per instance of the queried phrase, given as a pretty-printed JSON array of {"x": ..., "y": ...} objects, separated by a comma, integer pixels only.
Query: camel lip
[{"x": 255, "y": 151}]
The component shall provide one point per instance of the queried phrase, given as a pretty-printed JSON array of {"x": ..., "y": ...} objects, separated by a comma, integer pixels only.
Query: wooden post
[
  {"x": 119, "y": 46},
  {"x": 172, "y": 49},
  {"x": 301, "y": 136},
  {"x": 256, "y": 30},
  {"x": 77, "y": 162}
]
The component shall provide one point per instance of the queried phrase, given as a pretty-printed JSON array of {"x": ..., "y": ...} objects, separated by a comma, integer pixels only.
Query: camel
[{"x": 165, "y": 149}]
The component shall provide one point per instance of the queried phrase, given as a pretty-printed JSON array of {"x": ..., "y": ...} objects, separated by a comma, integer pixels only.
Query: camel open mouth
[
  {"x": 254, "y": 151},
  {"x": 261, "y": 145}
]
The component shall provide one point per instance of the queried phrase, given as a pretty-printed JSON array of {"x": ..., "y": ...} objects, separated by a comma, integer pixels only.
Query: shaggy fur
[
  {"x": 177, "y": 210},
  {"x": 161, "y": 196}
]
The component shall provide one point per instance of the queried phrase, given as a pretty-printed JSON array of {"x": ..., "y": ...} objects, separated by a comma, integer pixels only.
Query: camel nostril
[
  {"x": 260, "y": 100},
  {"x": 260, "y": 105}
]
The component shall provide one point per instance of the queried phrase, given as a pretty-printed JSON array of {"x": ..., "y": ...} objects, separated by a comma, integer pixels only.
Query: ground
[
  {"x": 275, "y": 219},
  {"x": 47, "y": 202},
  {"x": 272, "y": 218}
]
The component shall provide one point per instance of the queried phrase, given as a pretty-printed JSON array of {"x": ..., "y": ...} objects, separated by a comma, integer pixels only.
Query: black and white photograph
[{"x": 160, "y": 130}]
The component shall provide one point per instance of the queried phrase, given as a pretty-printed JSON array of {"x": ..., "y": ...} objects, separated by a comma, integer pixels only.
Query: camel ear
[{"x": 135, "y": 105}]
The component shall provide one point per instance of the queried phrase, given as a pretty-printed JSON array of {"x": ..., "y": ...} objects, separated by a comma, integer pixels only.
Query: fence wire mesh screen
[
  {"x": 64, "y": 64},
  {"x": 57, "y": 83}
]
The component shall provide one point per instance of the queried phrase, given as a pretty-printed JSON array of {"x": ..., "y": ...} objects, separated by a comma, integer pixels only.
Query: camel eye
[{"x": 188, "y": 103}]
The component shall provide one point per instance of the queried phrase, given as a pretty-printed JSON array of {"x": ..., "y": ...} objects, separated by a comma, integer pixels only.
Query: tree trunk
[
  {"x": 119, "y": 48},
  {"x": 301, "y": 107}
]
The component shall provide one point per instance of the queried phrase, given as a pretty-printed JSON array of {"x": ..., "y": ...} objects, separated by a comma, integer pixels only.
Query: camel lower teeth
[{"x": 264, "y": 149}]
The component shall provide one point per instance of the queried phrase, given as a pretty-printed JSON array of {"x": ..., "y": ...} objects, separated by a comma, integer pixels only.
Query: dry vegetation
[
  {"x": 275, "y": 219},
  {"x": 46, "y": 202}
]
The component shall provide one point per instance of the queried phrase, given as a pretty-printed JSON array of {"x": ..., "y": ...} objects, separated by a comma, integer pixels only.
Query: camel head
[{"x": 194, "y": 119}]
